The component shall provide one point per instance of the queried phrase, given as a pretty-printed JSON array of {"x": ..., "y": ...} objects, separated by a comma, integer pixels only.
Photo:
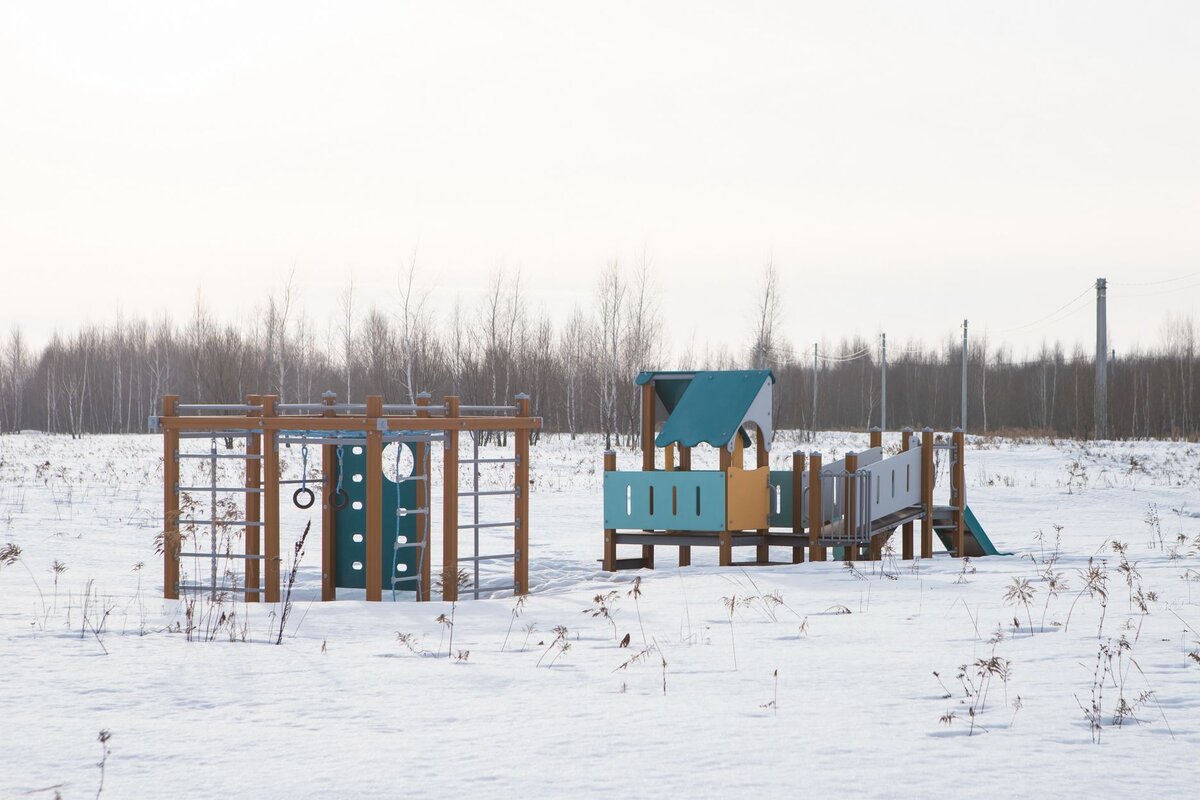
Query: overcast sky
[{"x": 905, "y": 165}]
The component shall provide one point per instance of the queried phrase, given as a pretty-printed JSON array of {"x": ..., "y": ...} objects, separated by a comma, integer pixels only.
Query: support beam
[
  {"x": 1100, "y": 405},
  {"x": 927, "y": 492},
  {"x": 685, "y": 465},
  {"x": 762, "y": 459},
  {"x": 850, "y": 513},
  {"x": 816, "y": 516},
  {"x": 171, "y": 540},
  {"x": 450, "y": 505},
  {"x": 647, "y": 437},
  {"x": 373, "y": 563},
  {"x": 328, "y": 513},
  {"x": 798, "y": 503},
  {"x": 958, "y": 491},
  {"x": 424, "y": 500},
  {"x": 609, "y": 562},
  {"x": 270, "y": 495},
  {"x": 906, "y": 539},
  {"x": 253, "y": 483},
  {"x": 521, "y": 503}
]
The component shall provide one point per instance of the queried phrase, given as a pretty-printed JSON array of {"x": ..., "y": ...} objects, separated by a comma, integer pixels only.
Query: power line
[
  {"x": 1063, "y": 307},
  {"x": 1155, "y": 283}
]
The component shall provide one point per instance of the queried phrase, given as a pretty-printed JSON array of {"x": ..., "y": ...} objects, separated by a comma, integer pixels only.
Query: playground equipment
[
  {"x": 851, "y": 506},
  {"x": 375, "y": 531}
]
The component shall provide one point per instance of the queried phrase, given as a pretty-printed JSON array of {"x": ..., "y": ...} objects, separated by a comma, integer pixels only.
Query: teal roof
[{"x": 710, "y": 407}]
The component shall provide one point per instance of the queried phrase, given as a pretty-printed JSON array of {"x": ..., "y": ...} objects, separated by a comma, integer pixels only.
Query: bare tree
[{"x": 766, "y": 346}]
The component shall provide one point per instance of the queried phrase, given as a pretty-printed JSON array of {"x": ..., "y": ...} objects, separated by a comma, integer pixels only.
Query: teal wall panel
[{"x": 677, "y": 501}]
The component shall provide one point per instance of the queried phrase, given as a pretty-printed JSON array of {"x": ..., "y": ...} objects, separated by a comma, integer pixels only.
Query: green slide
[{"x": 976, "y": 542}]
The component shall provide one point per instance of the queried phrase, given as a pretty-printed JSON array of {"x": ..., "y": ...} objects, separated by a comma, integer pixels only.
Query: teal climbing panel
[{"x": 400, "y": 525}]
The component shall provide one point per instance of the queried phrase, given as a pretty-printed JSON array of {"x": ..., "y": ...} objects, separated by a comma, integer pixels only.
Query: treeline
[{"x": 108, "y": 379}]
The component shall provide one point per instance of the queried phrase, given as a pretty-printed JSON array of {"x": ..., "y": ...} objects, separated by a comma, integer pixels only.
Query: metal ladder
[
  {"x": 214, "y": 587},
  {"x": 475, "y": 559}
]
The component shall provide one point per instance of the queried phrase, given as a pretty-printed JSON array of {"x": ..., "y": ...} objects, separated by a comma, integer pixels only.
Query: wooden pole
[
  {"x": 610, "y": 534},
  {"x": 374, "y": 506},
  {"x": 424, "y": 498},
  {"x": 450, "y": 505},
  {"x": 850, "y": 518},
  {"x": 171, "y": 540},
  {"x": 927, "y": 492},
  {"x": 521, "y": 502},
  {"x": 797, "y": 503},
  {"x": 816, "y": 514},
  {"x": 270, "y": 495},
  {"x": 685, "y": 465},
  {"x": 328, "y": 513},
  {"x": 648, "y": 425},
  {"x": 906, "y": 545},
  {"x": 876, "y": 437},
  {"x": 959, "y": 490},
  {"x": 253, "y": 483},
  {"x": 762, "y": 459},
  {"x": 725, "y": 551}
]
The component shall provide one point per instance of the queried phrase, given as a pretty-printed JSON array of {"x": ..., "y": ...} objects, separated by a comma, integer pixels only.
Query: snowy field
[{"x": 1069, "y": 669}]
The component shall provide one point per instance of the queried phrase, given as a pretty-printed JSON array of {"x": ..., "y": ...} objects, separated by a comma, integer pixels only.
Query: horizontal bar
[
  {"x": 487, "y": 461},
  {"x": 222, "y": 555},
  {"x": 410, "y": 478},
  {"x": 696, "y": 539},
  {"x": 243, "y": 408},
  {"x": 316, "y": 408},
  {"x": 400, "y": 408},
  {"x": 236, "y": 523},
  {"x": 218, "y": 489},
  {"x": 487, "y": 408},
  {"x": 298, "y": 480},
  {"x": 195, "y": 587},
  {"x": 406, "y": 545},
  {"x": 357, "y": 423},
  {"x": 206, "y": 456},
  {"x": 498, "y": 557},
  {"x": 508, "y": 587},
  {"x": 206, "y": 433},
  {"x": 490, "y": 525},
  {"x": 358, "y": 441},
  {"x": 409, "y": 512},
  {"x": 488, "y": 493}
]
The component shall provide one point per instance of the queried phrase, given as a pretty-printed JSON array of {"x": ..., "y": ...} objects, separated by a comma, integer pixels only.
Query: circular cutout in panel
[
  {"x": 401, "y": 512},
  {"x": 407, "y": 462},
  {"x": 356, "y": 477},
  {"x": 402, "y": 568},
  {"x": 357, "y": 505},
  {"x": 358, "y": 537},
  {"x": 357, "y": 565},
  {"x": 357, "y": 451},
  {"x": 402, "y": 540}
]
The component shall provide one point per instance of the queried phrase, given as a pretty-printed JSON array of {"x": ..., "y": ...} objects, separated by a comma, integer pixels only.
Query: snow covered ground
[{"x": 822, "y": 680}]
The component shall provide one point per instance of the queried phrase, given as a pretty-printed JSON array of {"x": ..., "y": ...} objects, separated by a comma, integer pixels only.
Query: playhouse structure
[
  {"x": 375, "y": 530},
  {"x": 850, "y": 507}
]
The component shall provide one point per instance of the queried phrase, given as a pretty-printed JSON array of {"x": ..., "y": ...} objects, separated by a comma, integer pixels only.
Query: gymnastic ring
[
  {"x": 303, "y": 490},
  {"x": 340, "y": 499}
]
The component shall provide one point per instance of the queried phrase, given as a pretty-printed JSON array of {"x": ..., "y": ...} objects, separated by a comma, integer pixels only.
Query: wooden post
[
  {"x": 648, "y": 424},
  {"x": 816, "y": 514},
  {"x": 927, "y": 492},
  {"x": 171, "y": 540},
  {"x": 762, "y": 459},
  {"x": 253, "y": 484},
  {"x": 906, "y": 545},
  {"x": 373, "y": 563},
  {"x": 270, "y": 495},
  {"x": 958, "y": 483},
  {"x": 424, "y": 498},
  {"x": 850, "y": 518},
  {"x": 450, "y": 504},
  {"x": 610, "y": 534},
  {"x": 725, "y": 551},
  {"x": 685, "y": 465},
  {"x": 797, "y": 503},
  {"x": 521, "y": 502},
  {"x": 328, "y": 513},
  {"x": 876, "y": 437}
]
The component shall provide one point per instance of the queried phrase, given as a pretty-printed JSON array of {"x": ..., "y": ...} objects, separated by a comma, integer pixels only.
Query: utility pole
[
  {"x": 962, "y": 420},
  {"x": 1100, "y": 410},
  {"x": 883, "y": 381},
  {"x": 814, "y": 413}
]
